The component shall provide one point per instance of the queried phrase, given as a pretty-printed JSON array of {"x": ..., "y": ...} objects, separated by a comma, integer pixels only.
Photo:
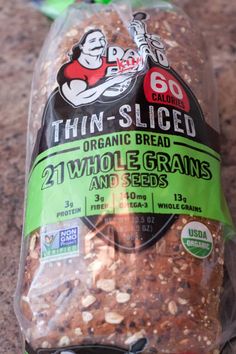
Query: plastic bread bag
[{"x": 123, "y": 242}]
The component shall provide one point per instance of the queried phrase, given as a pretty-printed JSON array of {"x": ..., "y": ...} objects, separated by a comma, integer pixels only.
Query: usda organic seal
[{"x": 197, "y": 239}]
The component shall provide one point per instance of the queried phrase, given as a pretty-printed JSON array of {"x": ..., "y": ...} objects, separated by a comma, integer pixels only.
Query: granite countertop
[{"x": 22, "y": 31}]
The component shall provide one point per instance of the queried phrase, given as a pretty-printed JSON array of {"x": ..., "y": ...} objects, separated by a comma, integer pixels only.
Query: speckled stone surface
[{"x": 22, "y": 31}]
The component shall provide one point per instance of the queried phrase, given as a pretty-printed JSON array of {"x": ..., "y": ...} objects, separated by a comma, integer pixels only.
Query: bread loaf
[{"x": 124, "y": 278}]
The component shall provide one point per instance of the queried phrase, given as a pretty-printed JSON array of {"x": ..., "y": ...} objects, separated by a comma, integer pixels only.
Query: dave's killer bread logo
[
  {"x": 98, "y": 72},
  {"x": 135, "y": 348},
  {"x": 106, "y": 89}
]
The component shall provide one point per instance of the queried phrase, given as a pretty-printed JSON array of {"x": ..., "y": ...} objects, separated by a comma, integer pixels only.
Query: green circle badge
[{"x": 197, "y": 239}]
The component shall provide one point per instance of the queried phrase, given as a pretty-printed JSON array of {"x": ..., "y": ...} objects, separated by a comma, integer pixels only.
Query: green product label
[
  {"x": 102, "y": 1},
  {"x": 130, "y": 172},
  {"x": 123, "y": 149},
  {"x": 53, "y": 8}
]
